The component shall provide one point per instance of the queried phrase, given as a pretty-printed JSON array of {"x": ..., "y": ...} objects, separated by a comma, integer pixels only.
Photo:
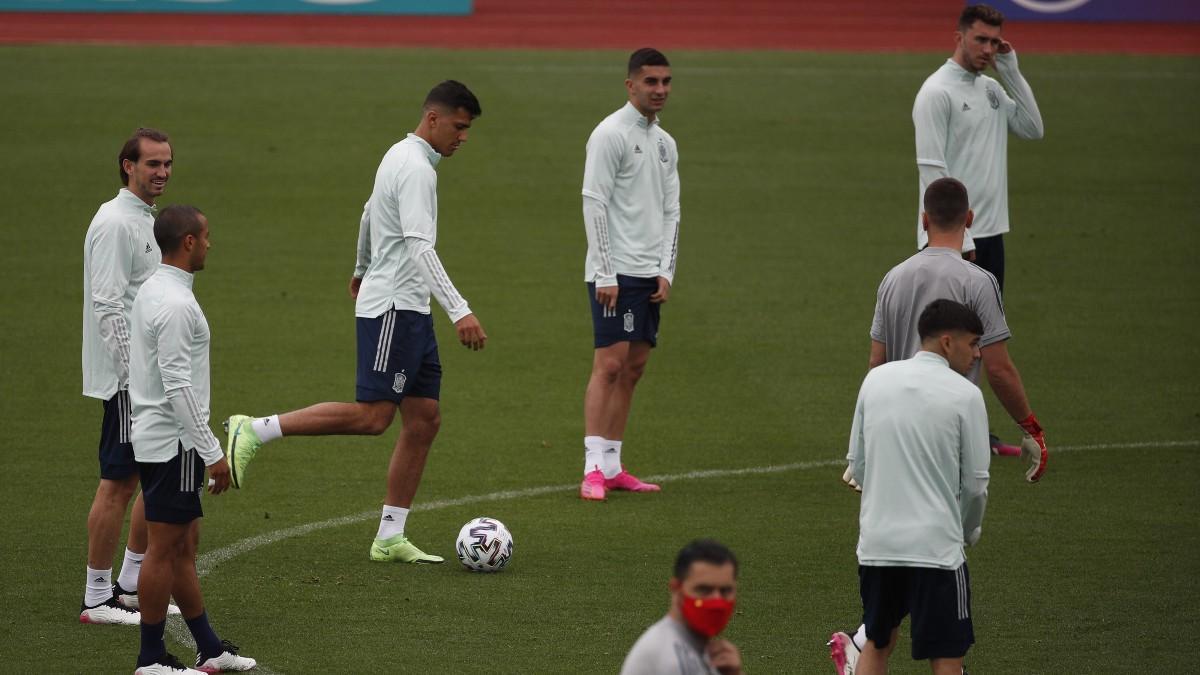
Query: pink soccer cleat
[
  {"x": 630, "y": 482},
  {"x": 1003, "y": 449},
  {"x": 592, "y": 487},
  {"x": 843, "y": 652}
]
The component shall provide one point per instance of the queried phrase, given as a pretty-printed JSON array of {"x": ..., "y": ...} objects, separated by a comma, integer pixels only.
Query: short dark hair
[
  {"x": 946, "y": 202},
  {"x": 943, "y": 315},
  {"x": 985, "y": 13},
  {"x": 132, "y": 150},
  {"x": 703, "y": 550},
  {"x": 174, "y": 224},
  {"x": 646, "y": 56},
  {"x": 453, "y": 94}
]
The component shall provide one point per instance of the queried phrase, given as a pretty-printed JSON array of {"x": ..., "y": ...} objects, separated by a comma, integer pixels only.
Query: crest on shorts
[
  {"x": 993, "y": 99},
  {"x": 398, "y": 384},
  {"x": 628, "y": 321},
  {"x": 662, "y": 150}
]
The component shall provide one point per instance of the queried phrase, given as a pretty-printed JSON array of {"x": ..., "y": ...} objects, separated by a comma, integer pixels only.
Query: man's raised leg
[{"x": 247, "y": 434}]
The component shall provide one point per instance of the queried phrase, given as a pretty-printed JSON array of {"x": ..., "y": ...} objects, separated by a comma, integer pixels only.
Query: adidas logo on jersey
[
  {"x": 965, "y": 106},
  {"x": 637, "y": 149},
  {"x": 148, "y": 249}
]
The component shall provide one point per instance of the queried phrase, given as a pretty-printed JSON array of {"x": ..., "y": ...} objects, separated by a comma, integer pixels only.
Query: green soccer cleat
[
  {"x": 400, "y": 549},
  {"x": 241, "y": 446}
]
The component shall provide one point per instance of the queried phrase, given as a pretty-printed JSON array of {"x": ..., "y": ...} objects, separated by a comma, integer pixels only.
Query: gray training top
[
  {"x": 932, "y": 274},
  {"x": 667, "y": 648}
]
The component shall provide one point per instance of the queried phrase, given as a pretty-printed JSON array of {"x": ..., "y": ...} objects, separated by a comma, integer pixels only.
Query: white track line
[{"x": 209, "y": 561}]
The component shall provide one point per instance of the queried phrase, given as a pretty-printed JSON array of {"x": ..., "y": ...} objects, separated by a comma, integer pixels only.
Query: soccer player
[
  {"x": 398, "y": 365},
  {"x": 684, "y": 642},
  {"x": 169, "y": 389},
  {"x": 962, "y": 120},
  {"x": 119, "y": 254},
  {"x": 631, "y": 216},
  {"x": 938, "y": 271},
  {"x": 919, "y": 448}
]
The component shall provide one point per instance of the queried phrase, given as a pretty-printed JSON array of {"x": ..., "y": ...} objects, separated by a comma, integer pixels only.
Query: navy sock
[
  {"x": 207, "y": 642},
  {"x": 153, "y": 647}
]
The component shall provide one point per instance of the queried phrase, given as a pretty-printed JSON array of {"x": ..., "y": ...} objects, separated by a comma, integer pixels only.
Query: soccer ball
[{"x": 484, "y": 545}]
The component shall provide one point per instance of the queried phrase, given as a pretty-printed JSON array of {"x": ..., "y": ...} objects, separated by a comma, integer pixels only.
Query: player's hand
[
  {"x": 606, "y": 296},
  {"x": 1033, "y": 448},
  {"x": 218, "y": 477},
  {"x": 724, "y": 656},
  {"x": 470, "y": 333},
  {"x": 1005, "y": 47},
  {"x": 355, "y": 284},
  {"x": 663, "y": 292}
]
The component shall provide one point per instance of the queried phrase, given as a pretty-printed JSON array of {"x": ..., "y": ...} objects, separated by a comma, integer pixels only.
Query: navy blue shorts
[
  {"x": 116, "y": 452},
  {"x": 398, "y": 357},
  {"x": 938, "y": 600},
  {"x": 635, "y": 318},
  {"x": 171, "y": 489}
]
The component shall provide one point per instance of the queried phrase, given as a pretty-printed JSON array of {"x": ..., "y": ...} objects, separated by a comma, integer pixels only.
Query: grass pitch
[{"x": 798, "y": 194}]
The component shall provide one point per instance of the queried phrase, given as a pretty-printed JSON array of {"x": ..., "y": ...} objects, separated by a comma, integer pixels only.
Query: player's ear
[
  {"x": 925, "y": 221},
  {"x": 970, "y": 217}
]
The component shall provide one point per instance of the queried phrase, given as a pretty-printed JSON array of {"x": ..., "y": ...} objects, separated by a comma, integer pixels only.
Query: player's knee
[
  {"x": 633, "y": 372},
  {"x": 117, "y": 492},
  {"x": 377, "y": 418},
  {"x": 607, "y": 369}
]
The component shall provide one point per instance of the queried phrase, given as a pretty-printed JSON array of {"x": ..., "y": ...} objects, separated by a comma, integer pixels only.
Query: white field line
[{"x": 209, "y": 561}]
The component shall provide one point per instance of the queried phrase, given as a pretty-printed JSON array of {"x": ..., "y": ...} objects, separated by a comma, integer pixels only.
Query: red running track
[{"x": 821, "y": 25}]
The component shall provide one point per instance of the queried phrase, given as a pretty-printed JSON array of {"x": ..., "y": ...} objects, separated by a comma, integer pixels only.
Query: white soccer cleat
[
  {"x": 110, "y": 612},
  {"x": 129, "y": 600},
  {"x": 167, "y": 665},
  {"x": 227, "y": 662}
]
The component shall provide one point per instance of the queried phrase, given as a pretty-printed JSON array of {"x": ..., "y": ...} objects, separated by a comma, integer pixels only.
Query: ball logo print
[{"x": 484, "y": 545}]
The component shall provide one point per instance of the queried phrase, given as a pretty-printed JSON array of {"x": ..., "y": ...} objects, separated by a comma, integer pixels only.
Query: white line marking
[{"x": 209, "y": 561}]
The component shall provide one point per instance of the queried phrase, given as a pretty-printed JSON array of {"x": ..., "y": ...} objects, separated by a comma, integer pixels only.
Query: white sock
[
  {"x": 391, "y": 523},
  {"x": 593, "y": 453},
  {"x": 266, "y": 428},
  {"x": 130, "y": 569},
  {"x": 611, "y": 465},
  {"x": 860, "y": 637},
  {"x": 98, "y": 588}
]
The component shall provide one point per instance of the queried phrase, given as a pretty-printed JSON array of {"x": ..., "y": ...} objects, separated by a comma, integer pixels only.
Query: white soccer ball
[{"x": 484, "y": 545}]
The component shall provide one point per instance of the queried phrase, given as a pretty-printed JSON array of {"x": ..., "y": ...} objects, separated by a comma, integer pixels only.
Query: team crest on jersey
[
  {"x": 662, "y": 150},
  {"x": 993, "y": 99},
  {"x": 628, "y": 321},
  {"x": 148, "y": 249},
  {"x": 398, "y": 384}
]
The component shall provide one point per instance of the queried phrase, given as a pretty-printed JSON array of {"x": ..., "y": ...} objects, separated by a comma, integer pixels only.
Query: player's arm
[
  {"x": 1005, "y": 380},
  {"x": 363, "y": 257},
  {"x": 417, "y": 195},
  {"x": 931, "y": 126},
  {"x": 1024, "y": 118},
  {"x": 174, "y": 327},
  {"x": 600, "y": 167},
  {"x": 856, "y": 456},
  {"x": 110, "y": 274},
  {"x": 878, "y": 355},
  {"x": 668, "y": 254},
  {"x": 974, "y": 457}
]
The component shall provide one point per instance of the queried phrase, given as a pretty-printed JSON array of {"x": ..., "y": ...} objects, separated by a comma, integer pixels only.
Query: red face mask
[{"x": 707, "y": 616}]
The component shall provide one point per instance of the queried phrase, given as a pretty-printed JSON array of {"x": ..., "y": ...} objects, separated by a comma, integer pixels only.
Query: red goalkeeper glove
[{"x": 1033, "y": 448}]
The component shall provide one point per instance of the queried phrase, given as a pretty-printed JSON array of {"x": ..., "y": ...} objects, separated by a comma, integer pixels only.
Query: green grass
[{"x": 798, "y": 194}]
